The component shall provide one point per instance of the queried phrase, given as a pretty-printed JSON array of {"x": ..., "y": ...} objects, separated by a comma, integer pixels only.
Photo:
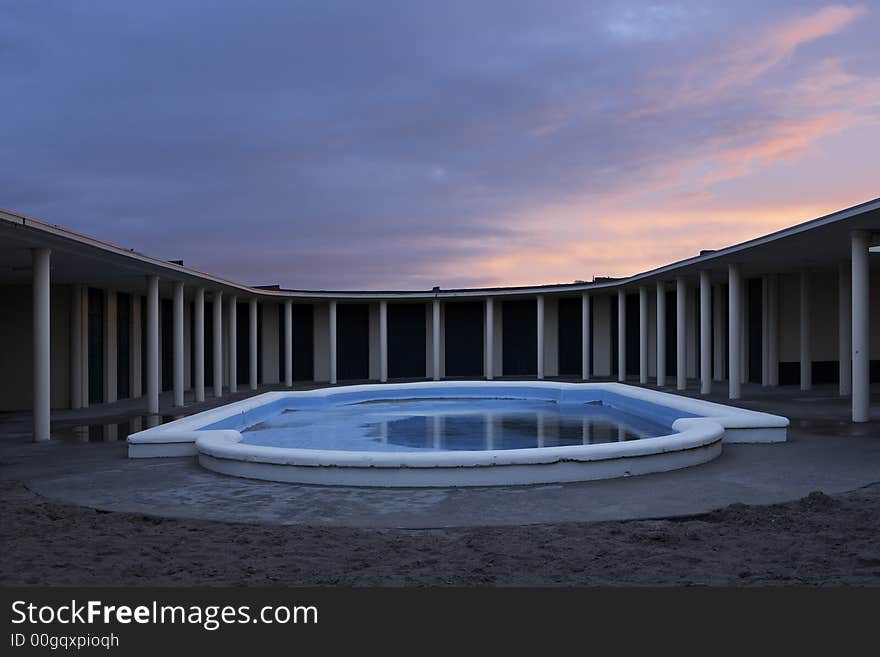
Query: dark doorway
[
  {"x": 464, "y": 338},
  {"x": 571, "y": 347},
  {"x": 242, "y": 352},
  {"x": 303, "y": 342},
  {"x": 260, "y": 308},
  {"x": 632, "y": 334},
  {"x": 614, "y": 335},
  {"x": 167, "y": 328},
  {"x": 243, "y": 343},
  {"x": 519, "y": 337},
  {"x": 755, "y": 337},
  {"x": 353, "y": 341},
  {"x": 96, "y": 346},
  {"x": 671, "y": 341},
  {"x": 190, "y": 339},
  {"x": 144, "y": 344},
  {"x": 721, "y": 348},
  {"x": 406, "y": 340},
  {"x": 123, "y": 346},
  {"x": 282, "y": 346}
]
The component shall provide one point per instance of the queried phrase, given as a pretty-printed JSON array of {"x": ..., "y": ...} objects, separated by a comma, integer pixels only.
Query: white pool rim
[{"x": 692, "y": 440}]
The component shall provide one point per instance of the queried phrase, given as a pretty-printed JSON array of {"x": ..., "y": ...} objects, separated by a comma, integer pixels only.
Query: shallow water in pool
[{"x": 438, "y": 424}]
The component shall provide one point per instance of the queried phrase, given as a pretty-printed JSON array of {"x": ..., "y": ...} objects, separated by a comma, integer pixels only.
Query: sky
[{"x": 403, "y": 145}]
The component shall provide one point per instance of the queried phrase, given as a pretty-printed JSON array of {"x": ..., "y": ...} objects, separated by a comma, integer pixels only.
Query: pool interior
[
  {"x": 449, "y": 424},
  {"x": 450, "y": 418}
]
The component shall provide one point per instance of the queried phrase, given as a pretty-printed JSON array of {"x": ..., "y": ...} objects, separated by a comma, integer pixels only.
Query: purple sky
[{"x": 412, "y": 144}]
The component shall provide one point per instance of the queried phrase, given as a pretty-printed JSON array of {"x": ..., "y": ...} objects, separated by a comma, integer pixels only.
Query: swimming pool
[
  {"x": 475, "y": 433},
  {"x": 449, "y": 424}
]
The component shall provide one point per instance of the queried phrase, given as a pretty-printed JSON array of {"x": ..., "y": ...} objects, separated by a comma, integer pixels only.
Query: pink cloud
[
  {"x": 630, "y": 241},
  {"x": 753, "y": 56}
]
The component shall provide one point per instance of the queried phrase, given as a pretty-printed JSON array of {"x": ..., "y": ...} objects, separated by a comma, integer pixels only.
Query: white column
[
  {"x": 844, "y": 343},
  {"x": 110, "y": 347},
  {"x": 490, "y": 339},
  {"x": 806, "y": 356},
  {"x": 383, "y": 341},
  {"x": 773, "y": 330},
  {"x": 661, "y": 334},
  {"x": 252, "y": 343},
  {"x": 643, "y": 335},
  {"x": 332, "y": 341},
  {"x": 680, "y": 334},
  {"x": 217, "y": 346},
  {"x": 40, "y": 261},
  {"x": 621, "y": 335},
  {"x": 734, "y": 320},
  {"x": 76, "y": 355},
  {"x": 540, "y": 320},
  {"x": 435, "y": 340},
  {"x": 718, "y": 332},
  {"x": 861, "y": 391},
  {"x": 233, "y": 344},
  {"x": 288, "y": 343},
  {"x": 199, "y": 344},
  {"x": 586, "y": 319},
  {"x": 705, "y": 333},
  {"x": 152, "y": 345},
  {"x": 177, "y": 353},
  {"x": 135, "y": 357}
]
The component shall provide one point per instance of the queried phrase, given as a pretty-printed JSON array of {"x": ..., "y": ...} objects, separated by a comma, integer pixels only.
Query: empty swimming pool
[
  {"x": 450, "y": 424},
  {"x": 479, "y": 433}
]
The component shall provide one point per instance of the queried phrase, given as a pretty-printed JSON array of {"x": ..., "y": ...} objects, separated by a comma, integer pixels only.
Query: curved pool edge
[
  {"x": 697, "y": 441},
  {"x": 696, "y": 437},
  {"x": 178, "y": 438}
]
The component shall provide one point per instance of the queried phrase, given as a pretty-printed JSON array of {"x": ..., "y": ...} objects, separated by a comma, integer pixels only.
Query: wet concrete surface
[{"x": 86, "y": 464}]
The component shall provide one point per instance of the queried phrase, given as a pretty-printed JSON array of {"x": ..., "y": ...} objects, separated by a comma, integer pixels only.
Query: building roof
[{"x": 821, "y": 243}]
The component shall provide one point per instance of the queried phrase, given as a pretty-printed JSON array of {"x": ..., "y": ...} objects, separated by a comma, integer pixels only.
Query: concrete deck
[{"x": 86, "y": 464}]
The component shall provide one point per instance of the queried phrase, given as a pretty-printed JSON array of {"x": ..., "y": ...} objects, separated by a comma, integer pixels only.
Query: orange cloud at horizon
[{"x": 631, "y": 242}]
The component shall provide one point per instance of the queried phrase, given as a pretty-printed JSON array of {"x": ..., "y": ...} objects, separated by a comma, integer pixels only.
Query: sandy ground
[{"x": 818, "y": 540}]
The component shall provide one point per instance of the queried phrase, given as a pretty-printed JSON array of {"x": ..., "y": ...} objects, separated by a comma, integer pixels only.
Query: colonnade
[
  {"x": 79, "y": 397},
  {"x": 714, "y": 317}
]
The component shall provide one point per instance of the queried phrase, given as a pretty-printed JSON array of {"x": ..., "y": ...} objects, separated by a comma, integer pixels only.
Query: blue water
[{"x": 450, "y": 424}]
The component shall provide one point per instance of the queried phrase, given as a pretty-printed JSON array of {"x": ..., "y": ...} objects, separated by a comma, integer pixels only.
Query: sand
[{"x": 818, "y": 540}]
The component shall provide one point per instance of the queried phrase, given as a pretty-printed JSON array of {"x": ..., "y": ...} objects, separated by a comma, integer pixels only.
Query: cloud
[
  {"x": 405, "y": 145},
  {"x": 737, "y": 67}
]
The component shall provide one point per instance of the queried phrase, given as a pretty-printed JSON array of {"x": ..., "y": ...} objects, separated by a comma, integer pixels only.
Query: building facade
[{"x": 84, "y": 322}]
